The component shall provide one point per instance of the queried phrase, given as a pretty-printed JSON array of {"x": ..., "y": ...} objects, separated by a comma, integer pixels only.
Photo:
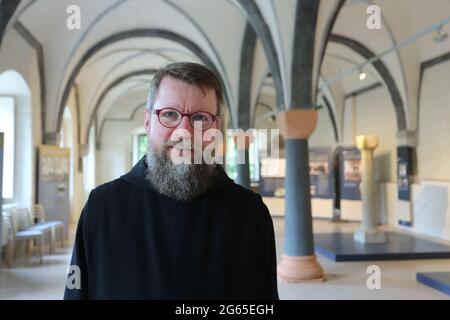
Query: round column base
[{"x": 294, "y": 269}]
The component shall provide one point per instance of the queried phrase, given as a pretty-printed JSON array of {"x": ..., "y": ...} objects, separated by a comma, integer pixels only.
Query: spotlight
[
  {"x": 362, "y": 75},
  {"x": 441, "y": 35}
]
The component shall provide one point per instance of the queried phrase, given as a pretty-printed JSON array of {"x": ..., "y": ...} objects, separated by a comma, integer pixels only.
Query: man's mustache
[{"x": 178, "y": 143}]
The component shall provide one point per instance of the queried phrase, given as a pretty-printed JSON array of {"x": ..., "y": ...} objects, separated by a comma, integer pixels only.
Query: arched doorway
[{"x": 17, "y": 123}]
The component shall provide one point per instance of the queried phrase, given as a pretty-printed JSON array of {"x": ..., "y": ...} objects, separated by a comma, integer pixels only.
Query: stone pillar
[
  {"x": 243, "y": 170},
  {"x": 242, "y": 142},
  {"x": 406, "y": 143},
  {"x": 83, "y": 151},
  {"x": 52, "y": 138},
  {"x": 299, "y": 262},
  {"x": 407, "y": 138},
  {"x": 368, "y": 231}
]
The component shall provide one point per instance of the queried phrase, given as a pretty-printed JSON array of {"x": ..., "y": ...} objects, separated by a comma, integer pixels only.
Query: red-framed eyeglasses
[{"x": 171, "y": 118}]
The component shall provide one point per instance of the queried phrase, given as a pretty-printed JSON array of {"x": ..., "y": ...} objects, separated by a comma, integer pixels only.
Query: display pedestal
[
  {"x": 436, "y": 280},
  {"x": 342, "y": 247}
]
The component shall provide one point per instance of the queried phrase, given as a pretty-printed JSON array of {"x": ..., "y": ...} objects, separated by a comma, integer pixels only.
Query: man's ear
[{"x": 147, "y": 119}]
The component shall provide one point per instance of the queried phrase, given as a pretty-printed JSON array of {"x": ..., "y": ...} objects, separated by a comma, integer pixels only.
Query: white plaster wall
[
  {"x": 373, "y": 113},
  {"x": 348, "y": 122},
  {"x": 209, "y": 15},
  {"x": 323, "y": 136},
  {"x": 260, "y": 70},
  {"x": 433, "y": 151},
  {"x": 16, "y": 54},
  {"x": 71, "y": 141},
  {"x": 144, "y": 16},
  {"x": 351, "y": 23},
  {"x": 431, "y": 192},
  {"x": 114, "y": 155},
  {"x": 283, "y": 48},
  {"x": 12, "y": 84}
]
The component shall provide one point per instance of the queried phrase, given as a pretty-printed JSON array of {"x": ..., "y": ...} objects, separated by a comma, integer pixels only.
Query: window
[
  {"x": 231, "y": 158},
  {"x": 7, "y": 127},
  {"x": 138, "y": 145},
  {"x": 142, "y": 145}
]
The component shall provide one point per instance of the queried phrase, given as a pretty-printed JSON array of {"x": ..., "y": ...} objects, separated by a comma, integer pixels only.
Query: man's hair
[{"x": 191, "y": 73}]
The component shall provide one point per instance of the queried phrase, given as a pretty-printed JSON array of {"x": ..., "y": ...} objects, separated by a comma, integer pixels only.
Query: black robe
[{"x": 134, "y": 243}]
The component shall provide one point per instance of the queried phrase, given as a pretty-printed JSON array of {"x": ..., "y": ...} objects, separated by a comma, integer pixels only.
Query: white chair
[
  {"x": 38, "y": 212},
  {"x": 29, "y": 236},
  {"x": 25, "y": 222},
  {"x": 6, "y": 236}
]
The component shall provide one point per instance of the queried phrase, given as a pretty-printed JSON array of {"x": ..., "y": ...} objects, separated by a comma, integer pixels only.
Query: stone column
[
  {"x": 368, "y": 231},
  {"x": 406, "y": 142},
  {"x": 299, "y": 262},
  {"x": 243, "y": 165},
  {"x": 52, "y": 138},
  {"x": 242, "y": 142}
]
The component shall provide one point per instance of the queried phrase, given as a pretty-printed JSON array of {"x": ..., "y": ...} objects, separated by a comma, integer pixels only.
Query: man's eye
[
  {"x": 199, "y": 117},
  {"x": 170, "y": 115}
]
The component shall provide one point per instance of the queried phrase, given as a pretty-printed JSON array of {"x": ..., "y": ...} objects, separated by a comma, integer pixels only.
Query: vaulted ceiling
[{"x": 121, "y": 42}]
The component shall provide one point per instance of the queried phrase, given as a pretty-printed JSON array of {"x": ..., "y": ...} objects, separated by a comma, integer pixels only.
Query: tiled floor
[
  {"x": 30, "y": 280},
  {"x": 345, "y": 280}
]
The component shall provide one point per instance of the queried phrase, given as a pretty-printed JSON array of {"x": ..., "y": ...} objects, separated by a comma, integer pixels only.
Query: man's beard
[{"x": 177, "y": 181}]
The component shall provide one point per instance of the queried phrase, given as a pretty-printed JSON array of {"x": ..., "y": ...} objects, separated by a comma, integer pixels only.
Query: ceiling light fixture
[
  {"x": 362, "y": 75},
  {"x": 441, "y": 34}
]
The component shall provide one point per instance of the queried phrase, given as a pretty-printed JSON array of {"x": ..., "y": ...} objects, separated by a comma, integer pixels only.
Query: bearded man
[{"x": 171, "y": 229}]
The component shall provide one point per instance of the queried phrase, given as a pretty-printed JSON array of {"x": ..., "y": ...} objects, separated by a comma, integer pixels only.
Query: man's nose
[
  {"x": 185, "y": 124},
  {"x": 183, "y": 131}
]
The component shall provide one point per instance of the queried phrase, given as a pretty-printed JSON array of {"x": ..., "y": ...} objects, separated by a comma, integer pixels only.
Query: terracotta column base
[{"x": 300, "y": 269}]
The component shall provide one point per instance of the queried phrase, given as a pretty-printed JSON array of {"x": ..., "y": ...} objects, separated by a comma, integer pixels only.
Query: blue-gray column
[
  {"x": 244, "y": 98},
  {"x": 243, "y": 170},
  {"x": 299, "y": 262},
  {"x": 7, "y": 9},
  {"x": 298, "y": 222}
]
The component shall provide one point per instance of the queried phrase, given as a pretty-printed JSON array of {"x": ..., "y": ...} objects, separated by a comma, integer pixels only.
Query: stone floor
[{"x": 345, "y": 280}]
